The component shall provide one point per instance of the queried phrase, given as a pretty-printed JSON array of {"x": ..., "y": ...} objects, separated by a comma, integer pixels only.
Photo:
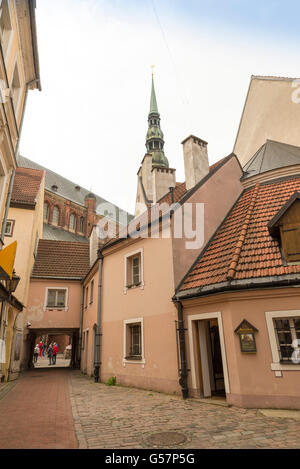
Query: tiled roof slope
[
  {"x": 242, "y": 249},
  {"x": 26, "y": 186},
  {"x": 61, "y": 259}
]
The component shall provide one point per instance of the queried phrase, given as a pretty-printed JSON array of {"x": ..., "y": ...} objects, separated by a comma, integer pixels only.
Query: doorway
[{"x": 209, "y": 371}]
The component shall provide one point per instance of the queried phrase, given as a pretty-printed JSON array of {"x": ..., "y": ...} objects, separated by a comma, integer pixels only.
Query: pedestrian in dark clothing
[
  {"x": 50, "y": 354},
  {"x": 54, "y": 353}
]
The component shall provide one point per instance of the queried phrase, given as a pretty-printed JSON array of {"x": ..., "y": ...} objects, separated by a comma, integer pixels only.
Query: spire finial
[{"x": 152, "y": 68}]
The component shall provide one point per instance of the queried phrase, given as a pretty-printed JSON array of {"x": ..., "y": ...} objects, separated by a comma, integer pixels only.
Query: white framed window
[
  {"x": 134, "y": 270},
  {"x": 56, "y": 298},
  {"x": 133, "y": 341},
  {"x": 9, "y": 228},
  {"x": 283, "y": 329}
]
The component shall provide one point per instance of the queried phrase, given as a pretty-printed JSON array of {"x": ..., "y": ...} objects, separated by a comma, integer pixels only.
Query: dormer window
[
  {"x": 285, "y": 226},
  {"x": 54, "y": 187}
]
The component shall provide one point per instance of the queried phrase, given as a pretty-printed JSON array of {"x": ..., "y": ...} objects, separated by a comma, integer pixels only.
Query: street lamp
[{"x": 11, "y": 284}]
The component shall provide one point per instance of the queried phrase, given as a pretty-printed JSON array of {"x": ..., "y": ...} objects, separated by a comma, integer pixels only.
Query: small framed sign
[{"x": 246, "y": 333}]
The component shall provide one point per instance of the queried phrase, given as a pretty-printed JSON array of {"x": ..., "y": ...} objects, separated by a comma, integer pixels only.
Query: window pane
[
  {"x": 285, "y": 338},
  {"x": 51, "y": 297},
  {"x": 135, "y": 270},
  {"x": 282, "y": 324},
  {"x": 297, "y": 324},
  {"x": 286, "y": 352},
  {"x": 61, "y": 297},
  {"x": 55, "y": 217},
  {"x": 136, "y": 340}
]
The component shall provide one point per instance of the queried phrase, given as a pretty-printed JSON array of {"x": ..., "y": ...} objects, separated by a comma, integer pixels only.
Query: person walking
[
  {"x": 54, "y": 353},
  {"x": 50, "y": 354},
  {"x": 36, "y": 353},
  {"x": 40, "y": 348}
]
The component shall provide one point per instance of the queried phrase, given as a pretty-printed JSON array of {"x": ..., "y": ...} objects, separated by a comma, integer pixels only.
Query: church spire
[{"x": 155, "y": 137}]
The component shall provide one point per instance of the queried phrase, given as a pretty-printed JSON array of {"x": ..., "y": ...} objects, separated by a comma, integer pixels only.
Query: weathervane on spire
[{"x": 152, "y": 67}]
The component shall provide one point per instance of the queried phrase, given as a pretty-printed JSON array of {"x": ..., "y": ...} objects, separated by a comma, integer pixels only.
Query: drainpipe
[
  {"x": 98, "y": 325},
  {"x": 182, "y": 353},
  {"x": 8, "y": 199},
  {"x": 80, "y": 327}
]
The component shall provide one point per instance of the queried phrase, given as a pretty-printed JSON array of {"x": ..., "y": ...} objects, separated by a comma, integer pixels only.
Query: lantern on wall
[{"x": 246, "y": 333}]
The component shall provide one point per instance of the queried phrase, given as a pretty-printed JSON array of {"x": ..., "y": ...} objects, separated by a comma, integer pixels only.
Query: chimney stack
[{"x": 195, "y": 156}]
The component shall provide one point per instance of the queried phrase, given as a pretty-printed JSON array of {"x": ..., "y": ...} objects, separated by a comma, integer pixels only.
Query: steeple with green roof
[{"x": 155, "y": 137}]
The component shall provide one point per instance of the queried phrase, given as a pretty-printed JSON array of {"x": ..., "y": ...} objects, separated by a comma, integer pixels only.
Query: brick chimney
[
  {"x": 195, "y": 156},
  {"x": 90, "y": 204}
]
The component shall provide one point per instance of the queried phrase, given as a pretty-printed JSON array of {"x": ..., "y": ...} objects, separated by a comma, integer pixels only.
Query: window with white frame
[
  {"x": 134, "y": 270},
  {"x": 9, "y": 227},
  {"x": 133, "y": 347},
  {"x": 287, "y": 333},
  {"x": 5, "y": 25},
  {"x": 56, "y": 298}
]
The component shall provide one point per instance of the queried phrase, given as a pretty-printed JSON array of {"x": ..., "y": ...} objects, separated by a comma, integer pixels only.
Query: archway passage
[{"x": 66, "y": 341}]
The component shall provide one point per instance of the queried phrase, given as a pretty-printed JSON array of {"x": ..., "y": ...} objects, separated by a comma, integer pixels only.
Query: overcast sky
[{"x": 90, "y": 121}]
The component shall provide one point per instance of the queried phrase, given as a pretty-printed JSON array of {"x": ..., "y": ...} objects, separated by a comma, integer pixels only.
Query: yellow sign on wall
[{"x": 7, "y": 261}]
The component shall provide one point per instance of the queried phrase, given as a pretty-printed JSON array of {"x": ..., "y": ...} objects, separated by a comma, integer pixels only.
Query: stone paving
[
  {"x": 36, "y": 412},
  {"x": 116, "y": 417},
  {"x": 54, "y": 408}
]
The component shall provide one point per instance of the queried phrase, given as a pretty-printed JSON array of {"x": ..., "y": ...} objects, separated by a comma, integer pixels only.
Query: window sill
[
  {"x": 56, "y": 308},
  {"x": 132, "y": 360},
  {"x": 134, "y": 287},
  {"x": 285, "y": 367}
]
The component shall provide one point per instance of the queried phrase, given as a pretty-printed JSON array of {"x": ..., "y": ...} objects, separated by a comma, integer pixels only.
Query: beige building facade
[{"x": 271, "y": 112}]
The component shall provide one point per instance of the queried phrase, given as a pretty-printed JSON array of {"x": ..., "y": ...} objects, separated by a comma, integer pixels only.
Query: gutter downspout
[
  {"x": 8, "y": 199},
  {"x": 182, "y": 352},
  {"x": 98, "y": 333},
  {"x": 80, "y": 327}
]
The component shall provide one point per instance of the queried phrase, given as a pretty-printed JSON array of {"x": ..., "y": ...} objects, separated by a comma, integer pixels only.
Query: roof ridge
[{"x": 237, "y": 252}]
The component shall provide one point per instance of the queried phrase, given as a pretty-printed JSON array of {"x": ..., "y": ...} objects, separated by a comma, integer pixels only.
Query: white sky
[{"x": 90, "y": 121}]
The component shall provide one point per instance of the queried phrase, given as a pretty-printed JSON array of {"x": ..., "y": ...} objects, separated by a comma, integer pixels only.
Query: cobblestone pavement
[
  {"x": 116, "y": 417},
  {"x": 61, "y": 408}
]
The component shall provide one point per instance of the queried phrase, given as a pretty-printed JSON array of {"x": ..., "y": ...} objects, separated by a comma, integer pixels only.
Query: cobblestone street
[
  {"x": 119, "y": 417},
  {"x": 61, "y": 408}
]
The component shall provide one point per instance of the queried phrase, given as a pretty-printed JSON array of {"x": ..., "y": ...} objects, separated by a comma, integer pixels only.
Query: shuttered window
[{"x": 290, "y": 240}]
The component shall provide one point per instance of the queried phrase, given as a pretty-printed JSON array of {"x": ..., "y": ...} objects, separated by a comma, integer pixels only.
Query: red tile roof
[
  {"x": 242, "y": 248},
  {"x": 61, "y": 259},
  {"x": 26, "y": 186}
]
